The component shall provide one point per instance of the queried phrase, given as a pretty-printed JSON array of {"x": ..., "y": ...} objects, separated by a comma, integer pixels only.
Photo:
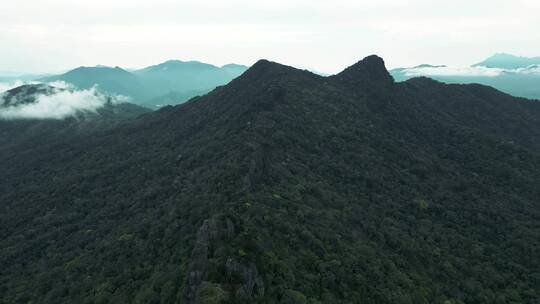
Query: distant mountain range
[
  {"x": 282, "y": 186},
  {"x": 34, "y": 102},
  {"x": 112, "y": 80},
  {"x": 174, "y": 81},
  {"x": 518, "y": 76},
  {"x": 508, "y": 61},
  {"x": 8, "y": 77},
  {"x": 171, "y": 82}
]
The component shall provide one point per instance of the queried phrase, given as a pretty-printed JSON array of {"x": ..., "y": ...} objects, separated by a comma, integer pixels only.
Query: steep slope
[
  {"x": 478, "y": 107},
  {"x": 284, "y": 187}
]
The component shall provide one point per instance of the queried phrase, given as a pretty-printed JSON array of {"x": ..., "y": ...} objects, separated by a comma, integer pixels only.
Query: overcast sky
[{"x": 54, "y": 35}]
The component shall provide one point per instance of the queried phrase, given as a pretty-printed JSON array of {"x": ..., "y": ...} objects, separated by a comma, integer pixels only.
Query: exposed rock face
[
  {"x": 365, "y": 73},
  {"x": 199, "y": 261},
  {"x": 212, "y": 235},
  {"x": 253, "y": 284}
]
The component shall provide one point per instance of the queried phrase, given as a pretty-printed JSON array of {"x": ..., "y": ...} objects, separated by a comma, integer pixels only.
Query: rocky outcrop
[
  {"x": 252, "y": 283},
  {"x": 241, "y": 279}
]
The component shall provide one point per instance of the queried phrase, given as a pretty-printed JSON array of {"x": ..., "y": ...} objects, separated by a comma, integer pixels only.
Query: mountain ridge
[
  {"x": 508, "y": 61},
  {"x": 172, "y": 81},
  {"x": 285, "y": 186},
  {"x": 511, "y": 74}
]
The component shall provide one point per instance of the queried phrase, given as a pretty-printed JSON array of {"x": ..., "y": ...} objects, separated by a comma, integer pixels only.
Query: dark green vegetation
[
  {"x": 25, "y": 94},
  {"x": 520, "y": 77},
  {"x": 23, "y": 134},
  {"x": 171, "y": 82},
  {"x": 284, "y": 187}
]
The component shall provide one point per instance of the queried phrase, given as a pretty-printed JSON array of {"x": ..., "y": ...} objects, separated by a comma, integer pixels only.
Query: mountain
[
  {"x": 518, "y": 76},
  {"x": 284, "y": 186},
  {"x": 12, "y": 77},
  {"x": 171, "y": 82},
  {"x": 32, "y": 94},
  {"x": 187, "y": 78},
  {"x": 508, "y": 61},
  {"x": 25, "y": 94},
  {"x": 234, "y": 69},
  {"x": 175, "y": 97},
  {"x": 36, "y": 114},
  {"x": 111, "y": 80}
]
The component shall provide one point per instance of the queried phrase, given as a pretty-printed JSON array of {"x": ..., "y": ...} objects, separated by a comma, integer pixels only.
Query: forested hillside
[{"x": 284, "y": 187}]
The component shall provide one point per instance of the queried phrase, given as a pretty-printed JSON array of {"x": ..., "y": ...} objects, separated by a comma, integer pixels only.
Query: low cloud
[
  {"x": 62, "y": 103},
  {"x": 61, "y": 85},
  {"x": 532, "y": 70},
  {"x": 477, "y": 71}
]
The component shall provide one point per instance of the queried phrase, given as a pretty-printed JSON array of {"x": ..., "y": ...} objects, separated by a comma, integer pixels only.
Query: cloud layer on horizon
[
  {"x": 47, "y": 36},
  {"x": 473, "y": 71}
]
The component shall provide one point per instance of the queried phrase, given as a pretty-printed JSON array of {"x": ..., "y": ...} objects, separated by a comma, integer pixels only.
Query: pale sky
[{"x": 56, "y": 35}]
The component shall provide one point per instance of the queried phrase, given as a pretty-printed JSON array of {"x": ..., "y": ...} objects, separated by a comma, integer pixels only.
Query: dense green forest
[
  {"x": 515, "y": 75},
  {"x": 282, "y": 187}
]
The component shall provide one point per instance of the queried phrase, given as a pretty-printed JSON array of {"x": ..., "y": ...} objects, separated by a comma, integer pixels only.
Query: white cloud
[
  {"x": 453, "y": 71},
  {"x": 534, "y": 70},
  {"x": 59, "y": 84},
  {"x": 325, "y": 35},
  {"x": 478, "y": 71},
  {"x": 60, "y": 105},
  {"x": 6, "y": 86}
]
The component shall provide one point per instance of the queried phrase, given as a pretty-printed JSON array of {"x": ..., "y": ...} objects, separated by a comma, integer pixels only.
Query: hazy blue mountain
[
  {"x": 112, "y": 80},
  {"x": 171, "y": 82},
  {"x": 183, "y": 77},
  {"x": 175, "y": 97},
  {"x": 508, "y": 61},
  {"x": 234, "y": 69},
  {"x": 11, "y": 77},
  {"x": 518, "y": 76}
]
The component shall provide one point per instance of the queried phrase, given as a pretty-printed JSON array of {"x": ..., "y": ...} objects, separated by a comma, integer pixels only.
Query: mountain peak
[
  {"x": 178, "y": 65},
  {"x": 233, "y": 66},
  {"x": 264, "y": 63},
  {"x": 25, "y": 94},
  {"x": 264, "y": 68},
  {"x": 372, "y": 62},
  {"x": 371, "y": 69},
  {"x": 97, "y": 69}
]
